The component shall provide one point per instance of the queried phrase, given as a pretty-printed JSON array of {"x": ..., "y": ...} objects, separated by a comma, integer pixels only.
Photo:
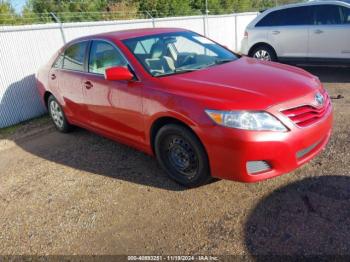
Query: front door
[
  {"x": 114, "y": 107},
  {"x": 289, "y": 32}
]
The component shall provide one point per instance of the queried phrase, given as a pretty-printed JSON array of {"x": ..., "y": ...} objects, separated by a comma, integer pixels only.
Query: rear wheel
[
  {"x": 264, "y": 52},
  {"x": 182, "y": 155},
  {"x": 57, "y": 115}
]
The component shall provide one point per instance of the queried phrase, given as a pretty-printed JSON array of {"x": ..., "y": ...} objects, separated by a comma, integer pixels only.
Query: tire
[
  {"x": 57, "y": 115},
  {"x": 182, "y": 155},
  {"x": 264, "y": 52}
]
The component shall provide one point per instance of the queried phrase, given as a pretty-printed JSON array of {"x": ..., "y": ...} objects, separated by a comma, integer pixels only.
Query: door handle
[
  {"x": 88, "y": 85},
  {"x": 53, "y": 76},
  {"x": 276, "y": 32},
  {"x": 318, "y": 31}
]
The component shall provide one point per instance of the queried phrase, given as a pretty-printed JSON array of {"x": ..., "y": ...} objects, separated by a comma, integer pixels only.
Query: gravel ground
[{"x": 79, "y": 193}]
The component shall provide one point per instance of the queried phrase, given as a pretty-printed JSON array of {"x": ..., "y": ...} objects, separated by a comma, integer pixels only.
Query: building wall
[{"x": 23, "y": 49}]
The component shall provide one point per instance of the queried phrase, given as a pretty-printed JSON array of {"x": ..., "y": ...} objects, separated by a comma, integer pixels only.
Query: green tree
[
  {"x": 162, "y": 8},
  {"x": 122, "y": 10},
  {"x": 7, "y": 14},
  {"x": 68, "y": 10}
]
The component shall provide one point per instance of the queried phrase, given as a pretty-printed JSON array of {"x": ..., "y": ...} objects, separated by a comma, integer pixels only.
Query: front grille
[{"x": 307, "y": 115}]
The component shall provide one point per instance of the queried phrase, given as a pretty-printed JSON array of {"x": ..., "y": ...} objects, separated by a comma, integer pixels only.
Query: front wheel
[
  {"x": 57, "y": 115},
  {"x": 264, "y": 53},
  {"x": 182, "y": 155}
]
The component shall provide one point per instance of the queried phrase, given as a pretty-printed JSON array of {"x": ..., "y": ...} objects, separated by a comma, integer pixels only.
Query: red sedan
[{"x": 201, "y": 109}]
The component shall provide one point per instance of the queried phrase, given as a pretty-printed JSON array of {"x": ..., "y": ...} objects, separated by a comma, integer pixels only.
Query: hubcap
[
  {"x": 182, "y": 157},
  {"x": 262, "y": 55},
  {"x": 56, "y": 114}
]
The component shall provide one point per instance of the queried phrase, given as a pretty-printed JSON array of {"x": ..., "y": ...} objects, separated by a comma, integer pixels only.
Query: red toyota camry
[{"x": 201, "y": 109}]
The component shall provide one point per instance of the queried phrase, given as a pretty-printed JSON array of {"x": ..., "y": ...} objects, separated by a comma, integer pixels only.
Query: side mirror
[{"x": 118, "y": 73}]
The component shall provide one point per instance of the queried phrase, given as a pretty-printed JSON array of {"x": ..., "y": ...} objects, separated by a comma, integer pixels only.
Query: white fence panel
[
  {"x": 75, "y": 30},
  {"x": 23, "y": 49},
  {"x": 21, "y": 54},
  {"x": 222, "y": 30},
  {"x": 194, "y": 23},
  {"x": 242, "y": 21}
]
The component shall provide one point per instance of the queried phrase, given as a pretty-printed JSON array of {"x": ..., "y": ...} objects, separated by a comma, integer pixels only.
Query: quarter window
[
  {"x": 271, "y": 19},
  {"x": 74, "y": 57},
  {"x": 102, "y": 56},
  {"x": 59, "y": 62}
]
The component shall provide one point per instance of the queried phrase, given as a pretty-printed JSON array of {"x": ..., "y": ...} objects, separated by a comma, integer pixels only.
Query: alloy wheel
[
  {"x": 57, "y": 114},
  {"x": 262, "y": 55}
]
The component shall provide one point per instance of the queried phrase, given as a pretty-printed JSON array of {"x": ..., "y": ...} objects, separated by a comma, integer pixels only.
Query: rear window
[{"x": 287, "y": 17}]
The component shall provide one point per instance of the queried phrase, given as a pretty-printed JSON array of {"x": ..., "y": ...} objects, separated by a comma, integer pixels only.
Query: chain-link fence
[
  {"x": 24, "y": 48},
  {"x": 132, "y": 13}
]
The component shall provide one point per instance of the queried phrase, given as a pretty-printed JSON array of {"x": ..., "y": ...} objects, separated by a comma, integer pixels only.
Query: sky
[{"x": 18, "y": 4}]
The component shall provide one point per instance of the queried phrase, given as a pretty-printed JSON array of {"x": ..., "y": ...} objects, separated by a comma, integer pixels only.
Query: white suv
[{"x": 316, "y": 31}]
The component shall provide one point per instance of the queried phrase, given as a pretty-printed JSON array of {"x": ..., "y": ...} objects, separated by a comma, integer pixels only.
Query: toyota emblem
[{"x": 319, "y": 99}]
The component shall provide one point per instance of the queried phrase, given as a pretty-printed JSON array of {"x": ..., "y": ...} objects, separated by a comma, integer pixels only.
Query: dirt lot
[{"x": 83, "y": 194}]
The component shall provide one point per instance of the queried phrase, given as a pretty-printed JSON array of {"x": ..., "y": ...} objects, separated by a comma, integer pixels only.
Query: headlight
[{"x": 246, "y": 120}]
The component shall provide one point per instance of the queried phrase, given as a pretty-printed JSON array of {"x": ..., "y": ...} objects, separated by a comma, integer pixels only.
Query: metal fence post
[
  {"x": 61, "y": 26},
  {"x": 206, "y": 23},
  {"x": 236, "y": 33},
  {"x": 153, "y": 22}
]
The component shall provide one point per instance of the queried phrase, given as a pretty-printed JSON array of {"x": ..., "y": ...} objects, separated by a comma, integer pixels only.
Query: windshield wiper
[
  {"x": 187, "y": 70},
  {"x": 179, "y": 71},
  {"x": 219, "y": 61}
]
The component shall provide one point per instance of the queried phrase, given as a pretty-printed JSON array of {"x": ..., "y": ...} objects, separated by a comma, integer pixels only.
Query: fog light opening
[{"x": 255, "y": 167}]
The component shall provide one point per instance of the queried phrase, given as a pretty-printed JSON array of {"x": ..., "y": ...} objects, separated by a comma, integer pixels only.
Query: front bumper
[{"x": 230, "y": 149}]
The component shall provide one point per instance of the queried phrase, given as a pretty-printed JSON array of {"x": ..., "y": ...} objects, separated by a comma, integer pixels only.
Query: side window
[
  {"x": 59, "y": 62},
  {"x": 103, "y": 55},
  {"x": 74, "y": 57},
  {"x": 295, "y": 16},
  {"x": 287, "y": 17},
  {"x": 272, "y": 19},
  {"x": 327, "y": 15},
  {"x": 345, "y": 15}
]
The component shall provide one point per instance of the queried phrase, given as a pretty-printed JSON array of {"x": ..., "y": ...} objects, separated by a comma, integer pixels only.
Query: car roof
[
  {"x": 310, "y": 3},
  {"x": 131, "y": 33}
]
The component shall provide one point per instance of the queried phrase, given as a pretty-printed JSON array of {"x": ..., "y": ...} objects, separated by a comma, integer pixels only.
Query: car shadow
[
  {"x": 80, "y": 149},
  {"x": 330, "y": 74},
  {"x": 88, "y": 152},
  {"x": 308, "y": 217}
]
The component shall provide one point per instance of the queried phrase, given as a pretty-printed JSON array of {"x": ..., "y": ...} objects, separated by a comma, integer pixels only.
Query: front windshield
[{"x": 178, "y": 52}]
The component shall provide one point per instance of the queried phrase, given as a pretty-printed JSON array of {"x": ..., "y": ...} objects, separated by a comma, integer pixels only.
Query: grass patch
[{"x": 8, "y": 131}]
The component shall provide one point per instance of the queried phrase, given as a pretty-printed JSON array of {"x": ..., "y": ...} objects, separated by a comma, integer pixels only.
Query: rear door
[
  {"x": 330, "y": 32},
  {"x": 288, "y": 31},
  {"x": 54, "y": 74},
  {"x": 70, "y": 80}
]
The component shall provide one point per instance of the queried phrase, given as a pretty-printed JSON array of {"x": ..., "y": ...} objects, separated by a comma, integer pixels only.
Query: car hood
[{"x": 247, "y": 83}]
